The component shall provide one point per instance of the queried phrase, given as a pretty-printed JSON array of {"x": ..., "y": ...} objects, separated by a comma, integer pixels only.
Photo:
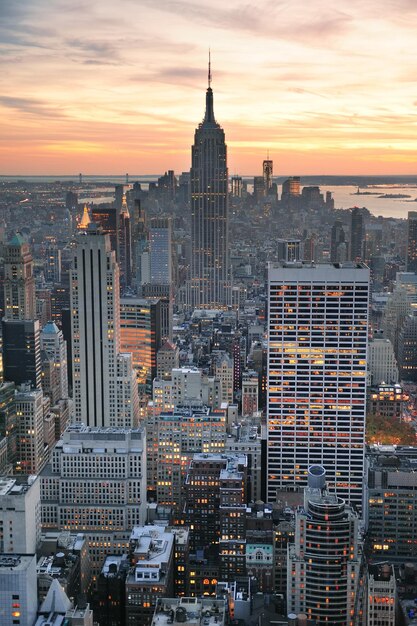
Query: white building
[
  {"x": 20, "y": 515},
  {"x": 30, "y": 413},
  {"x": 53, "y": 343},
  {"x": 381, "y": 595},
  {"x": 223, "y": 370},
  {"x": 18, "y": 591},
  {"x": 189, "y": 384},
  {"x": 95, "y": 304},
  {"x": 324, "y": 562},
  {"x": 316, "y": 392},
  {"x": 382, "y": 363},
  {"x": 96, "y": 484}
]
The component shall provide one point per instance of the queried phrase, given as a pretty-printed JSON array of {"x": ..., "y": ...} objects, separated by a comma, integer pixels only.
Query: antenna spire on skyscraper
[{"x": 209, "y": 69}]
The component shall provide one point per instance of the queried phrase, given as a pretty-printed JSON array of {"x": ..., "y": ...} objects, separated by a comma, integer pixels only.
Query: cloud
[{"x": 31, "y": 106}]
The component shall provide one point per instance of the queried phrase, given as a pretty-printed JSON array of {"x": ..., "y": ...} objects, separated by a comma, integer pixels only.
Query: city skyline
[{"x": 98, "y": 89}]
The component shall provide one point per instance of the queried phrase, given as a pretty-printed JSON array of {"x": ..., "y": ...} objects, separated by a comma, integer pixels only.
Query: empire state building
[{"x": 209, "y": 213}]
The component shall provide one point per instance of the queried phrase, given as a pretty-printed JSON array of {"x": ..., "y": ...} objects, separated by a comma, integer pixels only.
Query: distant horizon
[{"x": 159, "y": 174}]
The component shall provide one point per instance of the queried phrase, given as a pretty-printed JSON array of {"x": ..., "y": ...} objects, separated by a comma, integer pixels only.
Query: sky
[{"x": 109, "y": 87}]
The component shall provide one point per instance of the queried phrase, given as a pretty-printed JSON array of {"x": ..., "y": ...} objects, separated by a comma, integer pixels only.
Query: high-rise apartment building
[
  {"x": 324, "y": 562},
  {"x": 95, "y": 483},
  {"x": 412, "y": 241},
  {"x": 18, "y": 592},
  {"x": 381, "y": 595},
  {"x": 19, "y": 282},
  {"x": 209, "y": 213},
  {"x": 316, "y": 403},
  {"x": 101, "y": 373}
]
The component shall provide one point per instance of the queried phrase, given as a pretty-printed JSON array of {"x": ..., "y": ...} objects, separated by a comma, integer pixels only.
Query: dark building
[
  {"x": 215, "y": 511},
  {"x": 8, "y": 419},
  {"x": 356, "y": 235},
  {"x": 125, "y": 246},
  {"x": 209, "y": 213},
  {"x": 21, "y": 351},
  {"x": 109, "y": 606},
  {"x": 337, "y": 239},
  {"x": 412, "y": 241},
  {"x": 108, "y": 219}
]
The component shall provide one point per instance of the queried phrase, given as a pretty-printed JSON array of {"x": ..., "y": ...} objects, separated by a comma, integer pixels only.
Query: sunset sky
[{"x": 106, "y": 86}]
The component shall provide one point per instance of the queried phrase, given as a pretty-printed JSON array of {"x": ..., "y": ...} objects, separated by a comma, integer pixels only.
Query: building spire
[{"x": 209, "y": 115}]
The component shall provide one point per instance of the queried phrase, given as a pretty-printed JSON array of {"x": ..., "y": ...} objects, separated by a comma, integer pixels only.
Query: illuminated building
[
  {"x": 215, "y": 509},
  {"x": 356, "y": 235},
  {"x": 125, "y": 245},
  {"x": 19, "y": 283},
  {"x": 407, "y": 348},
  {"x": 324, "y": 561},
  {"x": 140, "y": 334},
  {"x": 152, "y": 572},
  {"x": 237, "y": 186},
  {"x": 209, "y": 213},
  {"x": 18, "y": 591},
  {"x": 387, "y": 401},
  {"x": 177, "y": 435},
  {"x": 412, "y": 241},
  {"x": 102, "y": 375},
  {"x": 289, "y": 250},
  {"x": 31, "y": 409},
  {"x": 391, "y": 502},
  {"x": 381, "y": 595},
  {"x": 95, "y": 483},
  {"x": 291, "y": 188},
  {"x": 317, "y": 375}
]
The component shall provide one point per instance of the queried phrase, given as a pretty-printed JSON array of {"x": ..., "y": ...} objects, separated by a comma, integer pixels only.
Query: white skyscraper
[
  {"x": 53, "y": 343},
  {"x": 317, "y": 350},
  {"x": 99, "y": 388}
]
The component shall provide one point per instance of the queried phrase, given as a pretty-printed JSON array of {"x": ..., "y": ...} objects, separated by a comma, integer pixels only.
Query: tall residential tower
[{"x": 209, "y": 213}]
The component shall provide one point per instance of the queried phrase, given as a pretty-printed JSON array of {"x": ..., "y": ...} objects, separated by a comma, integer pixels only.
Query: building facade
[
  {"x": 209, "y": 213},
  {"x": 317, "y": 351}
]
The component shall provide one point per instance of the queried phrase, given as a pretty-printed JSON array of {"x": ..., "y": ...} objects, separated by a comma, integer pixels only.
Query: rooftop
[{"x": 189, "y": 611}]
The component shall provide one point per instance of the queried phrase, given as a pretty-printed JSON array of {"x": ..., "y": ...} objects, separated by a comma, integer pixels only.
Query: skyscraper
[
  {"x": 101, "y": 374},
  {"x": 209, "y": 212},
  {"x": 267, "y": 168},
  {"x": 356, "y": 235},
  {"x": 412, "y": 241},
  {"x": 324, "y": 562},
  {"x": 317, "y": 375},
  {"x": 19, "y": 283}
]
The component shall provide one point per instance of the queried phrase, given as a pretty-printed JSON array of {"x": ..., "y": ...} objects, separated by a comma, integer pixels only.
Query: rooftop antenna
[{"x": 209, "y": 69}]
